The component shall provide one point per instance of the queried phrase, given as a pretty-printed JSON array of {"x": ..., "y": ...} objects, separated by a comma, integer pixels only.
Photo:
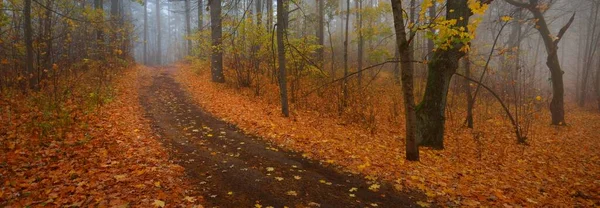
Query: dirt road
[{"x": 233, "y": 169}]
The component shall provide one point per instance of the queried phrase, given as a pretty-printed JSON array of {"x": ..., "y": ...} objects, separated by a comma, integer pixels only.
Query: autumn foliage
[
  {"x": 106, "y": 156},
  {"x": 481, "y": 167}
]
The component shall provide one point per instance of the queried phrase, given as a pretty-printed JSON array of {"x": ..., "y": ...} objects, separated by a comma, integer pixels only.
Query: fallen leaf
[{"x": 158, "y": 203}]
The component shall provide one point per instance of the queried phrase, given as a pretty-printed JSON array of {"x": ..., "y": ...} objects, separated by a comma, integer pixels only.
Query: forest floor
[
  {"x": 108, "y": 156},
  {"x": 233, "y": 169},
  {"x": 480, "y": 167}
]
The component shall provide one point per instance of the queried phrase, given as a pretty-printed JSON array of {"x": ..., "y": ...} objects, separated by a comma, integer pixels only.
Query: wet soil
[{"x": 232, "y": 169}]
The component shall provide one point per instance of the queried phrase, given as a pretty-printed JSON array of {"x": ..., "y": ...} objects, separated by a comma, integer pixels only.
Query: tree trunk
[
  {"x": 270, "y": 15},
  {"x": 281, "y": 30},
  {"x": 588, "y": 59},
  {"x": 597, "y": 86},
  {"x": 557, "y": 108},
  {"x": 556, "y": 73},
  {"x": 29, "y": 46},
  {"x": 321, "y": 32},
  {"x": 216, "y": 59},
  {"x": 406, "y": 56},
  {"x": 115, "y": 20},
  {"x": 345, "y": 82},
  {"x": 443, "y": 64},
  {"x": 360, "y": 40},
  {"x": 158, "y": 34},
  {"x": 146, "y": 32},
  {"x": 430, "y": 44},
  {"x": 470, "y": 101},
  {"x": 98, "y": 5},
  {"x": 200, "y": 15},
  {"x": 188, "y": 26}
]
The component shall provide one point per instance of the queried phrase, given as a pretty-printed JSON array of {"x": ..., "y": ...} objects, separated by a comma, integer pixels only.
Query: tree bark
[
  {"x": 360, "y": 41},
  {"x": 216, "y": 59},
  {"x": 597, "y": 86},
  {"x": 345, "y": 82},
  {"x": 188, "y": 26},
  {"x": 406, "y": 56},
  {"x": 281, "y": 30},
  {"x": 29, "y": 46},
  {"x": 470, "y": 101},
  {"x": 321, "y": 32},
  {"x": 557, "y": 108},
  {"x": 443, "y": 64},
  {"x": 430, "y": 45}
]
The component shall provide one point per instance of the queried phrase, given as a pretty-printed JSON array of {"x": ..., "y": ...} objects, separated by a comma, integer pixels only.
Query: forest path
[{"x": 233, "y": 169}]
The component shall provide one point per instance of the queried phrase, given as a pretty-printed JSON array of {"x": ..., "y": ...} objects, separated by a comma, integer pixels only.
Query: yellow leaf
[
  {"x": 158, "y": 203},
  {"x": 189, "y": 199},
  {"x": 423, "y": 204},
  {"x": 120, "y": 177},
  {"x": 506, "y": 18},
  {"x": 157, "y": 184},
  {"x": 374, "y": 187},
  {"x": 538, "y": 98}
]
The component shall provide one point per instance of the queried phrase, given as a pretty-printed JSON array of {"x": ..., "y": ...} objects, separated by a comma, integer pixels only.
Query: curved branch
[
  {"x": 520, "y": 139},
  {"x": 564, "y": 29}
]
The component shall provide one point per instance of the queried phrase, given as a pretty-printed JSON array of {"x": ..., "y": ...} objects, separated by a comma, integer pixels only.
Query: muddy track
[{"x": 233, "y": 169}]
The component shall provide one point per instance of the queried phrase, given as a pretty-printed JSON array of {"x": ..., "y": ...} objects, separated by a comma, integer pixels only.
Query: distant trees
[
  {"x": 557, "y": 106},
  {"x": 158, "y": 34}
]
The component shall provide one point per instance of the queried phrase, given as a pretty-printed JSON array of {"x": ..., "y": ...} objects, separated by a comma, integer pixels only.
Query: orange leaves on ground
[
  {"x": 108, "y": 159},
  {"x": 483, "y": 167}
]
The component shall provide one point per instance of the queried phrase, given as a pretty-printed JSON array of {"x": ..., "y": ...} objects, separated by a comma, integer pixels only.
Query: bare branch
[
  {"x": 518, "y": 4},
  {"x": 564, "y": 29}
]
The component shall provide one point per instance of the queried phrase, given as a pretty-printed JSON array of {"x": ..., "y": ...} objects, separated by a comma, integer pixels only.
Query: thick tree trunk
[
  {"x": 556, "y": 73},
  {"x": 29, "y": 46},
  {"x": 443, "y": 64},
  {"x": 281, "y": 30},
  {"x": 216, "y": 59},
  {"x": 406, "y": 56},
  {"x": 430, "y": 45}
]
